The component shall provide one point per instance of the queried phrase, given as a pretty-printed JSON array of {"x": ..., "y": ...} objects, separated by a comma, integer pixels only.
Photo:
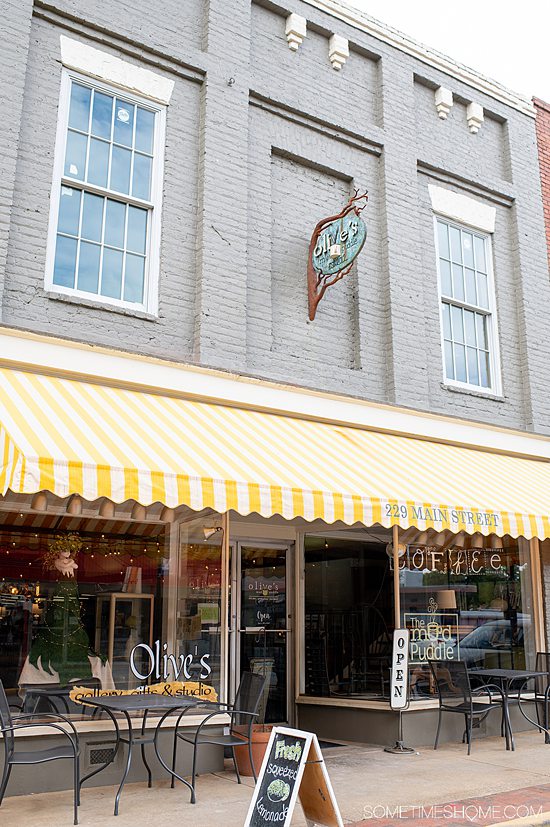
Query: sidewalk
[{"x": 373, "y": 789}]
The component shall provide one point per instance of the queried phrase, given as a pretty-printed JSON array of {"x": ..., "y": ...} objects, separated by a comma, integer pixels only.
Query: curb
[{"x": 528, "y": 821}]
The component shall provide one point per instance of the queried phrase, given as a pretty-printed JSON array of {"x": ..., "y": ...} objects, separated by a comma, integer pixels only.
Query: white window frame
[
  {"x": 495, "y": 388},
  {"x": 153, "y": 206}
]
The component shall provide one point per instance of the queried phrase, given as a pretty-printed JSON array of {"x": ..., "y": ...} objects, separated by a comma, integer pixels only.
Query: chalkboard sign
[{"x": 293, "y": 766}]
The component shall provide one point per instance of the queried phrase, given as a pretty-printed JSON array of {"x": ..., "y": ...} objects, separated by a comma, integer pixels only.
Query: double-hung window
[
  {"x": 468, "y": 317},
  {"x": 104, "y": 238}
]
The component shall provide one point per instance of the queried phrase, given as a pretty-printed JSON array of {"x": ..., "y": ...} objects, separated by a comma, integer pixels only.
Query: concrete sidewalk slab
[{"x": 369, "y": 785}]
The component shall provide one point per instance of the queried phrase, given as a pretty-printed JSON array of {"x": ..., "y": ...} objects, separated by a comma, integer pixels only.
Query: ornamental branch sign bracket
[{"x": 335, "y": 244}]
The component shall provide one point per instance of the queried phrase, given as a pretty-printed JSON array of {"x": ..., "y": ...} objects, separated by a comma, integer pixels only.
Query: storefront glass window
[
  {"x": 348, "y": 596},
  {"x": 82, "y": 602},
  {"x": 472, "y": 604},
  {"x": 199, "y": 604}
]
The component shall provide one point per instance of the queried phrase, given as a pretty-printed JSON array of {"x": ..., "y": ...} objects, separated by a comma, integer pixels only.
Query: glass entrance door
[{"x": 264, "y": 627}]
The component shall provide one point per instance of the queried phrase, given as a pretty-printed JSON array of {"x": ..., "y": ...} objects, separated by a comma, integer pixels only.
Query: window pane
[
  {"x": 92, "y": 217},
  {"x": 133, "y": 278},
  {"x": 479, "y": 246},
  {"x": 458, "y": 282},
  {"x": 482, "y": 290},
  {"x": 445, "y": 270},
  {"x": 69, "y": 211},
  {"x": 468, "y": 249},
  {"x": 473, "y": 372},
  {"x": 137, "y": 230},
  {"x": 145, "y": 120},
  {"x": 447, "y": 321},
  {"x": 470, "y": 327},
  {"x": 88, "y": 267},
  {"x": 114, "y": 223},
  {"x": 484, "y": 380},
  {"x": 449, "y": 367},
  {"x": 460, "y": 363},
  {"x": 481, "y": 324},
  {"x": 65, "y": 259},
  {"x": 111, "y": 277},
  {"x": 120, "y": 169},
  {"x": 456, "y": 246},
  {"x": 458, "y": 332},
  {"x": 102, "y": 113},
  {"x": 124, "y": 123},
  {"x": 98, "y": 162},
  {"x": 75, "y": 155},
  {"x": 79, "y": 112},
  {"x": 141, "y": 185},
  {"x": 471, "y": 297}
]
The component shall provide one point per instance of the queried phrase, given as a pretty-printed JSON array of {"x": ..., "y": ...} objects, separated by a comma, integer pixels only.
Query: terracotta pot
[{"x": 260, "y": 737}]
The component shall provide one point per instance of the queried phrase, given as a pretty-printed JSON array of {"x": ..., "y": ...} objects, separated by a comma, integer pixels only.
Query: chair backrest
[
  {"x": 249, "y": 695},
  {"x": 451, "y": 681},
  {"x": 542, "y": 664},
  {"x": 5, "y": 719}
]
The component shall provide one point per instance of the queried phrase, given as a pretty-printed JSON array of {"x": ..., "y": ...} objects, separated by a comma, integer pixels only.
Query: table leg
[
  {"x": 510, "y": 735},
  {"x": 128, "y": 761},
  {"x": 172, "y": 771},
  {"x": 143, "y": 758},
  {"x": 115, "y": 749}
]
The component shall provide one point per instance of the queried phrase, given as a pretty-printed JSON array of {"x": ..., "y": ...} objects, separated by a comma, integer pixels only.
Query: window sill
[
  {"x": 471, "y": 392},
  {"x": 83, "y": 726},
  {"x": 99, "y": 305}
]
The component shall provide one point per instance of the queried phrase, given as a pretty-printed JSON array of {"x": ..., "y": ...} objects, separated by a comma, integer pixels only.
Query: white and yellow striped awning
[{"x": 69, "y": 436}]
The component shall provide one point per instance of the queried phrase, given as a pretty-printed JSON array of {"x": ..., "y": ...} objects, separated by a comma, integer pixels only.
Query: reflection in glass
[
  {"x": 114, "y": 223},
  {"x": 92, "y": 217},
  {"x": 141, "y": 185},
  {"x": 120, "y": 169},
  {"x": 69, "y": 211},
  {"x": 111, "y": 276},
  {"x": 348, "y": 616},
  {"x": 137, "y": 228},
  {"x": 88, "y": 267},
  {"x": 102, "y": 114},
  {"x": 75, "y": 155},
  {"x": 124, "y": 123},
  {"x": 133, "y": 280},
  {"x": 65, "y": 261},
  {"x": 145, "y": 120},
  {"x": 98, "y": 162},
  {"x": 79, "y": 111}
]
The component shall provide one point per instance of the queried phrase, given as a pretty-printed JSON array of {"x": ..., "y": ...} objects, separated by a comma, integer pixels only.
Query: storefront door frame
[{"x": 234, "y": 602}]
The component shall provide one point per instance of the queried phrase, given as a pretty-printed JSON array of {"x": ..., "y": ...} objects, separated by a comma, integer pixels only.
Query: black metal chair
[
  {"x": 13, "y": 755},
  {"x": 242, "y": 713},
  {"x": 542, "y": 691},
  {"x": 456, "y": 695}
]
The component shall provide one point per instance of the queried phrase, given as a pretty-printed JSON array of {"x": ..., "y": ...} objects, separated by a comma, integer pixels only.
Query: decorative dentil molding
[
  {"x": 474, "y": 116},
  {"x": 338, "y": 51},
  {"x": 295, "y": 30},
  {"x": 443, "y": 101}
]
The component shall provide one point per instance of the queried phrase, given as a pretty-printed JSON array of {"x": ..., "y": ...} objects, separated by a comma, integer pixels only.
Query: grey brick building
[{"x": 162, "y": 170}]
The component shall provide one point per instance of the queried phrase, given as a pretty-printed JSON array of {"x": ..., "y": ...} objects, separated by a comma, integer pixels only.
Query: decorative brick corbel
[
  {"x": 338, "y": 51},
  {"x": 295, "y": 30},
  {"x": 474, "y": 116},
  {"x": 443, "y": 101}
]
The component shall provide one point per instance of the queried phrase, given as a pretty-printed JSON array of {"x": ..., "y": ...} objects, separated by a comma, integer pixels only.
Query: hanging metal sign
[{"x": 335, "y": 244}]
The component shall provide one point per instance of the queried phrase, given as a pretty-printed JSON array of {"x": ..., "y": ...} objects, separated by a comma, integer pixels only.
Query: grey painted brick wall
[{"x": 261, "y": 143}]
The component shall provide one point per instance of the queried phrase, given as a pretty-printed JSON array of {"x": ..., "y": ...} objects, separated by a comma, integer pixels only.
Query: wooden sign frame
[{"x": 312, "y": 785}]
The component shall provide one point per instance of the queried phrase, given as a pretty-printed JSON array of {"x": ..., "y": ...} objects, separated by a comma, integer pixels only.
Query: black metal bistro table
[
  {"x": 144, "y": 703},
  {"x": 510, "y": 680}
]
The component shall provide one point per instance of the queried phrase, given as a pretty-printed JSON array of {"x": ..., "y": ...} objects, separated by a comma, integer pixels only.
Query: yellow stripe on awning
[{"x": 71, "y": 436}]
